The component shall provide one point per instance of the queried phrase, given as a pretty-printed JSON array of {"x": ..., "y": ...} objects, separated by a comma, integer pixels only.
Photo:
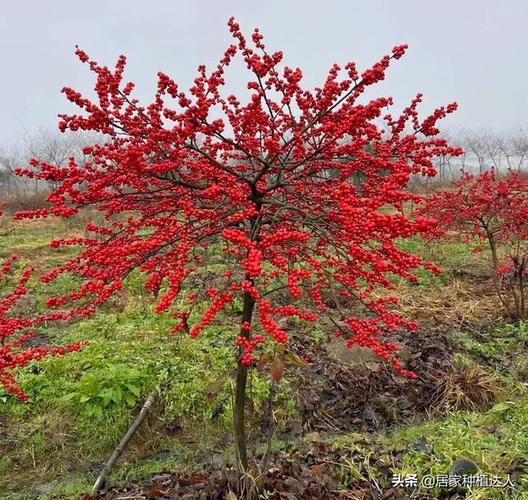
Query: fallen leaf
[
  {"x": 156, "y": 491},
  {"x": 318, "y": 470},
  {"x": 266, "y": 356},
  {"x": 198, "y": 478},
  {"x": 313, "y": 436},
  {"x": 212, "y": 390},
  {"x": 276, "y": 369}
]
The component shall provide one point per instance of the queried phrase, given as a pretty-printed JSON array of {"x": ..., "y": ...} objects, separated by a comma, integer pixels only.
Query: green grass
[
  {"x": 95, "y": 390},
  {"x": 503, "y": 349},
  {"x": 494, "y": 440},
  {"x": 452, "y": 257}
]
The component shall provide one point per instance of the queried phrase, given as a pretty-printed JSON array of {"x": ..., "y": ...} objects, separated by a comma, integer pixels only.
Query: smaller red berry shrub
[
  {"x": 16, "y": 333},
  {"x": 494, "y": 210}
]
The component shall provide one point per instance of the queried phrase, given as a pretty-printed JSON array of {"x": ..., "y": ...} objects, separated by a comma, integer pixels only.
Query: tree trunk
[
  {"x": 522, "y": 308},
  {"x": 493, "y": 248},
  {"x": 239, "y": 409},
  {"x": 497, "y": 280},
  {"x": 240, "y": 389}
]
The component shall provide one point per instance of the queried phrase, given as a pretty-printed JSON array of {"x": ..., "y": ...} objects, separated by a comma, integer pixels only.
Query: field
[{"x": 340, "y": 419}]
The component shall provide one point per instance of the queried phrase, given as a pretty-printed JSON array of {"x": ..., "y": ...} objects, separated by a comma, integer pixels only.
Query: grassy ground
[{"x": 81, "y": 404}]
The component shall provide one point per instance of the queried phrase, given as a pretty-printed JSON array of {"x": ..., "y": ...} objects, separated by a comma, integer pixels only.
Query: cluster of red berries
[
  {"x": 283, "y": 235},
  {"x": 268, "y": 323},
  {"x": 210, "y": 314},
  {"x": 15, "y": 351},
  {"x": 253, "y": 263},
  {"x": 247, "y": 346}
]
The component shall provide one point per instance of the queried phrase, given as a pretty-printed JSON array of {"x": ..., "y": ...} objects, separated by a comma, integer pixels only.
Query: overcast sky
[{"x": 474, "y": 52}]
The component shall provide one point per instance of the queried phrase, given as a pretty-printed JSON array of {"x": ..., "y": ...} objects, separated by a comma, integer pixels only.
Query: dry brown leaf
[
  {"x": 276, "y": 369},
  {"x": 266, "y": 356},
  {"x": 318, "y": 470}
]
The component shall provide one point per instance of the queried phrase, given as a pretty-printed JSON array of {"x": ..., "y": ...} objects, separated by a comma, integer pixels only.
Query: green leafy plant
[{"x": 98, "y": 390}]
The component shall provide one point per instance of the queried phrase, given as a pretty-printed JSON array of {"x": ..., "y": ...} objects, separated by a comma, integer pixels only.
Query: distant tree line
[{"x": 483, "y": 149}]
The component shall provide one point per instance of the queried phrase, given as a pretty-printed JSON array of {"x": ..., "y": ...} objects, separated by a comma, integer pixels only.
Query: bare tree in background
[
  {"x": 56, "y": 148},
  {"x": 448, "y": 170},
  {"x": 485, "y": 148},
  {"x": 10, "y": 158},
  {"x": 493, "y": 144},
  {"x": 51, "y": 147},
  {"x": 473, "y": 142},
  {"x": 519, "y": 146}
]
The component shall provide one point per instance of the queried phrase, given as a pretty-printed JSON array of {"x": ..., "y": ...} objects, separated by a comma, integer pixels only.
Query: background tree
[
  {"x": 518, "y": 141},
  {"x": 56, "y": 148},
  {"x": 494, "y": 210},
  {"x": 10, "y": 160},
  {"x": 204, "y": 170},
  {"x": 49, "y": 146},
  {"x": 474, "y": 142}
]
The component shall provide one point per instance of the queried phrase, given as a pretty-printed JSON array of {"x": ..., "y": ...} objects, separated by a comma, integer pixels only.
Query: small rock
[{"x": 464, "y": 466}]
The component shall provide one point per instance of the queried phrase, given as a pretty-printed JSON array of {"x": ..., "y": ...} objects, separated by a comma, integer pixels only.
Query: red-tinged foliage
[
  {"x": 494, "y": 210},
  {"x": 16, "y": 334},
  {"x": 300, "y": 190}
]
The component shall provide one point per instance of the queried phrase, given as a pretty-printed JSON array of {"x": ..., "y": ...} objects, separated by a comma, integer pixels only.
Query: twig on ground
[{"x": 99, "y": 483}]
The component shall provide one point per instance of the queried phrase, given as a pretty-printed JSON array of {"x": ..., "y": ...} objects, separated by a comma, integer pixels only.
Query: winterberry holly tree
[
  {"x": 300, "y": 189},
  {"x": 493, "y": 210}
]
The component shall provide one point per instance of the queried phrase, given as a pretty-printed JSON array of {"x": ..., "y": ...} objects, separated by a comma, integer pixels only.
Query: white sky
[{"x": 471, "y": 51}]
